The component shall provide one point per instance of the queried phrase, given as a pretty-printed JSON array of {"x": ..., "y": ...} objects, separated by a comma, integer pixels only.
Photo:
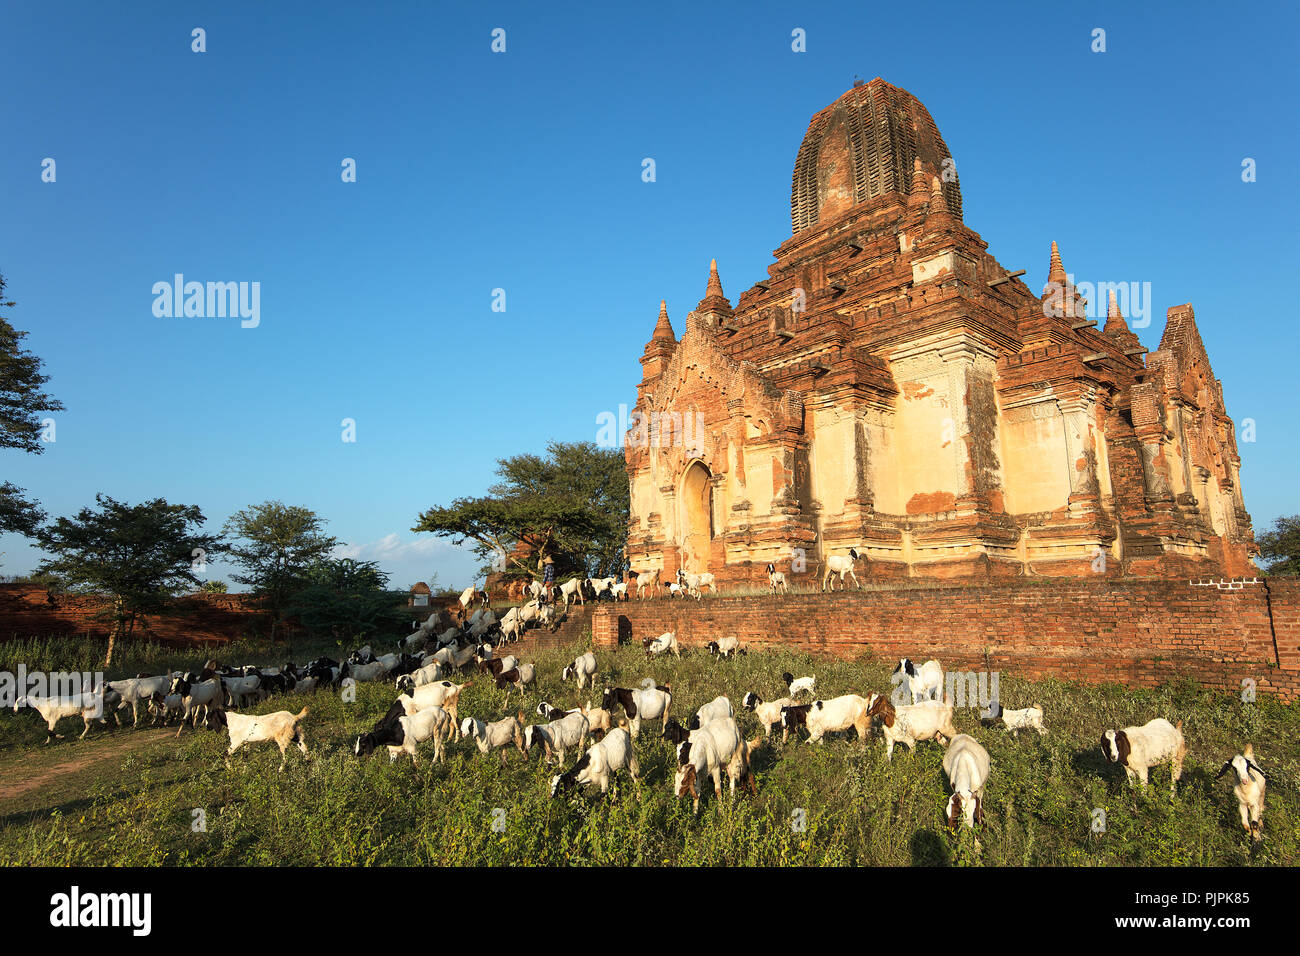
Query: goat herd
[{"x": 710, "y": 745}]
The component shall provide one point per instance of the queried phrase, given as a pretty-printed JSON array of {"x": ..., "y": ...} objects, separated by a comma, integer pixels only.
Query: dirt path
[{"x": 27, "y": 771}]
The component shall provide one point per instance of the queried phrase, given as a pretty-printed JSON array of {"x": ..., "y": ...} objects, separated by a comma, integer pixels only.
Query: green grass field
[{"x": 130, "y": 797}]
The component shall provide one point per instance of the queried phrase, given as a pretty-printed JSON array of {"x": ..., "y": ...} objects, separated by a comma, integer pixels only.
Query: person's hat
[{"x": 549, "y": 560}]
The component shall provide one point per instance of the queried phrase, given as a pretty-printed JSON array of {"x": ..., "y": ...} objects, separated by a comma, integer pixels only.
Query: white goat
[
  {"x": 583, "y": 668},
  {"x": 928, "y": 720},
  {"x": 1251, "y": 783},
  {"x": 498, "y": 734},
  {"x": 1027, "y": 718},
  {"x": 776, "y": 580},
  {"x": 664, "y": 643},
  {"x": 836, "y": 714},
  {"x": 89, "y": 706},
  {"x": 442, "y": 693},
  {"x": 841, "y": 565},
  {"x": 209, "y": 694},
  {"x": 138, "y": 690},
  {"x": 646, "y": 579},
  {"x": 572, "y": 590},
  {"x": 725, "y": 647},
  {"x": 281, "y": 727},
  {"x": 925, "y": 682},
  {"x": 646, "y": 702},
  {"x": 558, "y": 736},
  {"x": 1138, "y": 749},
  {"x": 710, "y": 749},
  {"x": 715, "y": 709},
  {"x": 619, "y": 591},
  {"x": 431, "y": 723},
  {"x": 966, "y": 765},
  {"x": 598, "y": 764},
  {"x": 696, "y": 583},
  {"x": 768, "y": 712}
]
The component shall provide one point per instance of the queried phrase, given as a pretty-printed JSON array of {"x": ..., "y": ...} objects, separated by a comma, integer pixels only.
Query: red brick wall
[
  {"x": 26, "y": 610},
  {"x": 1136, "y": 631}
]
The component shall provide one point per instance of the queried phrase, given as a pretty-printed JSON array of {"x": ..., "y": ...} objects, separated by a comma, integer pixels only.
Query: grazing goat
[
  {"x": 776, "y": 580},
  {"x": 89, "y": 706},
  {"x": 163, "y": 707},
  {"x": 676, "y": 590},
  {"x": 583, "y": 668},
  {"x": 1027, "y": 718},
  {"x": 966, "y": 765},
  {"x": 654, "y": 646},
  {"x": 281, "y": 727},
  {"x": 647, "y": 702},
  {"x": 431, "y": 723},
  {"x": 796, "y": 687},
  {"x": 520, "y": 676},
  {"x": 768, "y": 712},
  {"x": 646, "y": 579},
  {"x": 613, "y": 752},
  {"x": 239, "y": 690},
  {"x": 498, "y": 734},
  {"x": 418, "y": 678},
  {"x": 442, "y": 693},
  {"x": 619, "y": 591},
  {"x": 1138, "y": 749},
  {"x": 719, "y": 707},
  {"x": 928, "y": 720},
  {"x": 838, "y": 713},
  {"x": 558, "y": 736},
  {"x": 716, "y": 746},
  {"x": 841, "y": 565},
  {"x": 1249, "y": 789},
  {"x": 925, "y": 682},
  {"x": 725, "y": 647}
]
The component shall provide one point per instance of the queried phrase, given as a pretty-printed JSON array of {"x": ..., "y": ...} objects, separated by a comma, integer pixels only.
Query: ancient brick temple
[{"x": 890, "y": 387}]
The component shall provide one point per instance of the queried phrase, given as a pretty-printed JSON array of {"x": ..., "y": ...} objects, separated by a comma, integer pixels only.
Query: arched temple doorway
[{"x": 697, "y": 514}]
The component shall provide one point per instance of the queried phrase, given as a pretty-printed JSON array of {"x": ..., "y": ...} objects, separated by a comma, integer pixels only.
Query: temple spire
[
  {"x": 714, "y": 302},
  {"x": 663, "y": 328},
  {"x": 1115, "y": 323},
  {"x": 1056, "y": 271}
]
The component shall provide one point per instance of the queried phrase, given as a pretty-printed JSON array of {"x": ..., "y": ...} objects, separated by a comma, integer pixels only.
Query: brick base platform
[{"x": 1134, "y": 631}]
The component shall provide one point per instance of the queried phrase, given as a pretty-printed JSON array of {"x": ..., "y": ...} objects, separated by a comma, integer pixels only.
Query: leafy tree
[
  {"x": 276, "y": 545},
  {"x": 140, "y": 555},
  {"x": 573, "y": 503},
  {"x": 22, "y": 403},
  {"x": 214, "y": 587},
  {"x": 1280, "y": 546},
  {"x": 347, "y": 599}
]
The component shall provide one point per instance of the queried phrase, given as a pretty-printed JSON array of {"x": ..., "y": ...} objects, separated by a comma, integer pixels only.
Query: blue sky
[{"x": 522, "y": 171}]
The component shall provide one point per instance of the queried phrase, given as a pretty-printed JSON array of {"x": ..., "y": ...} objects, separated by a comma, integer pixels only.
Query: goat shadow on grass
[
  {"x": 1090, "y": 762},
  {"x": 929, "y": 849}
]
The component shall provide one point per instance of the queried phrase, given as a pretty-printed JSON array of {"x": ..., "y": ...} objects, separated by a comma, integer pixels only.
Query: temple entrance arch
[{"x": 697, "y": 516}]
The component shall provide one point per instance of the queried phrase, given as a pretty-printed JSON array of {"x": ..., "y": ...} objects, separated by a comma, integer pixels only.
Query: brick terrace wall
[
  {"x": 1134, "y": 631},
  {"x": 27, "y": 610}
]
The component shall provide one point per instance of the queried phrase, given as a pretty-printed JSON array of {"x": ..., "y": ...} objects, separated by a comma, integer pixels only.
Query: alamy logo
[
  {"x": 74, "y": 908},
  {"x": 211, "y": 300},
  {"x": 670, "y": 429}
]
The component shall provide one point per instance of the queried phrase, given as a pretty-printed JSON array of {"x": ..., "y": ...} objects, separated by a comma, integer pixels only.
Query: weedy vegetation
[{"x": 126, "y": 797}]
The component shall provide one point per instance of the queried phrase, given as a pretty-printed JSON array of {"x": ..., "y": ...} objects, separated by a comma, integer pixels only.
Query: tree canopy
[
  {"x": 1279, "y": 546},
  {"x": 22, "y": 403},
  {"x": 572, "y": 502},
  {"x": 347, "y": 599},
  {"x": 142, "y": 555},
  {"x": 275, "y": 545}
]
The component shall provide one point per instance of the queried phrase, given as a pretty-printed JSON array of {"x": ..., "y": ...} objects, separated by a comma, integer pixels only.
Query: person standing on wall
[{"x": 548, "y": 578}]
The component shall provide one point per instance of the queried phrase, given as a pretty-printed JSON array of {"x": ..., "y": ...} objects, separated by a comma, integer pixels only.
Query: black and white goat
[
  {"x": 647, "y": 702},
  {"x": 725, "y": 647},
  {"x": 776, "y": 580},
  {"x": 583, "y": 668},
  {"x": 1249, "y": 789},
  {"x": 612, "y": 753},
  {"x": 768, "y": 712}
]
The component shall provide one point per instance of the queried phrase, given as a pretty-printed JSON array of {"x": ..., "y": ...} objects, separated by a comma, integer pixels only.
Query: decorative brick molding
[{"x": 1138, "y": 631}]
